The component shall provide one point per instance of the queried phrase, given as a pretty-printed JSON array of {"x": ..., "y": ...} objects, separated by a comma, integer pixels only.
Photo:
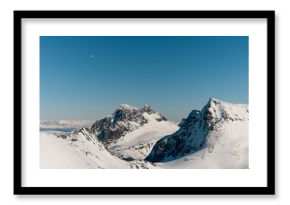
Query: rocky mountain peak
[
  {"x": 193, "y": 131},
  {"x": 126, "y": 107},
  {"x": 214, "y": 101},
  {"x": 147, "y": 109},
  {"x": 123, "y": 120},
  {"x": 125, "y": 112},
  {"x": 218, "y": 111}
]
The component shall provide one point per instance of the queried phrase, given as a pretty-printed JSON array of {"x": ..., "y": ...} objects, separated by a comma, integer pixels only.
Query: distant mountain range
[
  {"x": 214, "y": 137},
  {"x": 64, "y": 125}
]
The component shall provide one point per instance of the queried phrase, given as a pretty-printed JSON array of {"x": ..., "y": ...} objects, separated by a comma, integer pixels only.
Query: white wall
[{"x": 282, "y": 97}]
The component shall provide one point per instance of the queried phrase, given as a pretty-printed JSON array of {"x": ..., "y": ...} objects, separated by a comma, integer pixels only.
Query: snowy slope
[
  {"x": 138, "y": 143},
  {"x": 225, "y": 148},
  {"x": 80, "y": 150},
  {"x": 215, "y": 137}
]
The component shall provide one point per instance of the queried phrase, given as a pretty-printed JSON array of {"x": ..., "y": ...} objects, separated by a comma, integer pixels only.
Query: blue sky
[{"x": 88, "y": 77}]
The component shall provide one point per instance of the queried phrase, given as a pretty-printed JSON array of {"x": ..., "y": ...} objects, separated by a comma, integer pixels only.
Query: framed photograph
[{"x": 144, "y": 102}]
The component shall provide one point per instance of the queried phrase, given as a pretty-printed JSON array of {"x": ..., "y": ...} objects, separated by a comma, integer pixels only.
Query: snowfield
[
  {"x": 131, "y": 138},
  {"x": 225, "y": 149},
  {"x": 80, "y": 151}
]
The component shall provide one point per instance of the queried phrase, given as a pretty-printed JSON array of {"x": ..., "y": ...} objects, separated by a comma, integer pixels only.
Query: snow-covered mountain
[
  {"x": 219, "y": 131},
  {"x": 131, "y": 132},
  {"x": 80, "y": 149},
  {"x": 215, "y": 137}
]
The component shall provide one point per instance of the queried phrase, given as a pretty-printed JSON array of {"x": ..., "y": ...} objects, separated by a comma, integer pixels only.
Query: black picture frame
[{"x": 268, "y": 190}]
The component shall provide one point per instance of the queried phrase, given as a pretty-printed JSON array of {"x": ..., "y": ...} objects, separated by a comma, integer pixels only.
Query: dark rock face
[
  {"x": 125, "y": 119},
  {"x": 191, "y": 136}
]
